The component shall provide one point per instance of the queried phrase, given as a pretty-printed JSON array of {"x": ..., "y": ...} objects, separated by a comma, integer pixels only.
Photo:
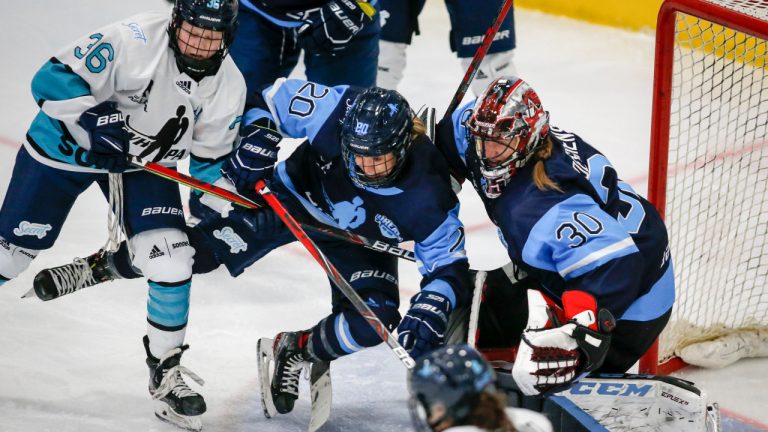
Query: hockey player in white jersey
[
  {"x": 452, "y": 390},
  {"x": 154, "y": 86}
]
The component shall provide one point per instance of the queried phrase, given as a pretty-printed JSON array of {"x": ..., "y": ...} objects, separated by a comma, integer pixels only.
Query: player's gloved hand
[
  {"x": 265, "y": 222},
  {"x": 552, "y": 356},
  {"x": 423, "y": 327},
  {"x": 109, "y": 138},
  {"x": 333, "y": 25},
  {"x": 255, "y": 158}
]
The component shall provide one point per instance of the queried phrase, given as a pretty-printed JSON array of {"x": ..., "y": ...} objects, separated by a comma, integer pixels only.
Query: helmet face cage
[
  {"x": 378, "y": 125},
  {"x": 508, "y": 109},
  {"x": 205, "y": 57}
]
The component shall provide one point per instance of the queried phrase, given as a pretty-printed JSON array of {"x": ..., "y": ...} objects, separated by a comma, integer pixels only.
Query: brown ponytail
[
  {"x": 489, "y": 413},
  {"x": 418, "y": 128},
  {"x": 540, "y": 177}
]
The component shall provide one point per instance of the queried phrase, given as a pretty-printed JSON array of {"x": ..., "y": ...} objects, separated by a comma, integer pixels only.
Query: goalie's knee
[
  {"x": 163, "y": 255},
  {"x": 13, "y": 260}
]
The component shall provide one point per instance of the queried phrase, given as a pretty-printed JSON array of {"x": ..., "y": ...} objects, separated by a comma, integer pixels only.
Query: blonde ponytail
[{"x": 540, "y": 177}]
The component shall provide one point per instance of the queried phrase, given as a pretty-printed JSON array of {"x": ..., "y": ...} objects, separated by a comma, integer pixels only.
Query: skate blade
[
  {"x": 191, "y": 423},
  {"x": 265, "y": 349},
  {"x": 321, "y": 390},
  {"x": 30, "y": 294}
]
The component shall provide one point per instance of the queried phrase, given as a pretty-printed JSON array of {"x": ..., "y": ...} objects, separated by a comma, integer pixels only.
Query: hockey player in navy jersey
[
  {"x": 151, "y": 85},
  {"x": 340, "y": 40},
  {"x": 469, "y": 22},
  {"x": 593, "y": 249},
  {"x": 366, "y": 167}
]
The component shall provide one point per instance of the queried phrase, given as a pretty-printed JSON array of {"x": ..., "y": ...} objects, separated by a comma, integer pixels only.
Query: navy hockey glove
[
  {"x": 332, "y": 27},
  {"x": 109, "y": 138},
  {"x": 255, "y": 158},
  {"x": 423, "y": 327},
  {"x": 551, "y": 357}
]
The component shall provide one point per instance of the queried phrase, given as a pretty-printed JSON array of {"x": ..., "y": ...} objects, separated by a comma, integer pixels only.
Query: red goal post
[{"x": 709, "y": 169}]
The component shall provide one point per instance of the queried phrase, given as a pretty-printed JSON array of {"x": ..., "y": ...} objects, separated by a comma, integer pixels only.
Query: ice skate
[
  {"x": 80, "y": 273},
  {"x": 178, "y": 404}
]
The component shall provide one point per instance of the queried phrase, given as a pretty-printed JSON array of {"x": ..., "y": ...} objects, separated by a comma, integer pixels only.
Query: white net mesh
[{"x": 717, "y": 184}]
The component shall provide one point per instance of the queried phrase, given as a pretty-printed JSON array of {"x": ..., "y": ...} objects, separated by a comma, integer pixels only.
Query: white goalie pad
[{"x": 645, "y": 403}]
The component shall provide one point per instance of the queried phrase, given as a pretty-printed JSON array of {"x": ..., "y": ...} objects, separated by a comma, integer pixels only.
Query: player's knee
[
  {"x": 13, "y": 260},
  {"x": 391, "y": 64},
  {"x": 362, "y": 332},
  {"x": 163, "y": 255},
  {"x": 496, "y": 65}
]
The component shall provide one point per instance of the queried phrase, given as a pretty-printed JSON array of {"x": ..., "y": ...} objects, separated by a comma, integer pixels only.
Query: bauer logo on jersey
[
  {"x": 235, "y": 242},
  {"x": 32, "y": 229},
  {"x": 388, "y": 228}
]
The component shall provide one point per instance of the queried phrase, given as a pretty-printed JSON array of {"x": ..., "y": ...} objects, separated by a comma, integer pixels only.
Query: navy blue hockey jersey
[
  {"x": 597, "y": 235},
  {"x": 286, "y": 13},
  {"x": 418, "y": 206}
]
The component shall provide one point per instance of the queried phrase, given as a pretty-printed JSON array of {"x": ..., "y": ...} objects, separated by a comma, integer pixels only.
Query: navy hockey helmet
[
  {"x": 203, "y": 58},
  {"x": 446, "y": 384},
  {"x": 378, "y": 125},
  {"x": 507, "y": 110}
]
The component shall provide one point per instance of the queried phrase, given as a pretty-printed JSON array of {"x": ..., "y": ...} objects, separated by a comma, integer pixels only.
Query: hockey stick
[
  {"x": 369, "y": 316},
  {"x": 478, "y": 58},
  {"x": 224, "y": 194}
]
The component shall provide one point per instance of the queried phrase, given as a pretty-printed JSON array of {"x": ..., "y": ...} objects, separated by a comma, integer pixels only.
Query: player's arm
[
  {"x": 442, "y": 261},
  {"x": 452, "y": 140},
  {"x": 80, "y": 76}
]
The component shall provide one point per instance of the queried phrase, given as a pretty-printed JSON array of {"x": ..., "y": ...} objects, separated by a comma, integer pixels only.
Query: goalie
[{"x": 590, "y": 255}]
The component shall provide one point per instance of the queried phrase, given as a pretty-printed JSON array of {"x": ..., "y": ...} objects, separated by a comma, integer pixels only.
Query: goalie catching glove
[
  {"x": 552, "y": 356},
  {"x": 335, "y": 24}
]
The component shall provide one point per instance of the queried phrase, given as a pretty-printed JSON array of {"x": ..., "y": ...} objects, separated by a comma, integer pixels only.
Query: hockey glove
[
  {"x": 109, "y": 138},
  {"x": 423, "y": 327},
  {"x": 335, "y": 24},
  {"x": 255, "y": 158},
  {"x": 552, "y": 356}
]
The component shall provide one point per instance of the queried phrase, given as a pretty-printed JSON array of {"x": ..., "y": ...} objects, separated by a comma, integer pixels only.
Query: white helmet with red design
[{"x": 507, "y": 126}]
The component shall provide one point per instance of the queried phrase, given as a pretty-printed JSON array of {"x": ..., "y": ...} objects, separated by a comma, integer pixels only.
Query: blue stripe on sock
[
  {"x": 168, "y": 306},
  {"x": 344, "y": 335}
]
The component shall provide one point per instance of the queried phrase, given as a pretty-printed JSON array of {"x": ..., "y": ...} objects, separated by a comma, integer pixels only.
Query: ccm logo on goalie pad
[{"x": 611, "y": 389}]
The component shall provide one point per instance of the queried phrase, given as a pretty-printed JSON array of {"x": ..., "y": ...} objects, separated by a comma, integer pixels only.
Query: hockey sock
[{"x": 167, "y": 313}]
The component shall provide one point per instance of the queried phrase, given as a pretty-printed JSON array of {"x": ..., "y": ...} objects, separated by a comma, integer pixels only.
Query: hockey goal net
[{"x": 709, "y": 176}]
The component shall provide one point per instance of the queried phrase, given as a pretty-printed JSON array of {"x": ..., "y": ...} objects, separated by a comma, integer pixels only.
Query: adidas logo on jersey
[
  {"x": 185, "y": 86},
  {"x": 155, "y": 252}
]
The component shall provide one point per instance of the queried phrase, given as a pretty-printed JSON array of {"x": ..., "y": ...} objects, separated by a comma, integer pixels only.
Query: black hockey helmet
[
  {"x": 447, "y": 383},
  {"x": 378, "y": 123},
  {"x": 217, "y": 15}
]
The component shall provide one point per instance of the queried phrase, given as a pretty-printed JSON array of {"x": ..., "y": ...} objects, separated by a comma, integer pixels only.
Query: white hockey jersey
[
  {"x": 169, "y": 115},
  {"x": 524, "y": 421}
]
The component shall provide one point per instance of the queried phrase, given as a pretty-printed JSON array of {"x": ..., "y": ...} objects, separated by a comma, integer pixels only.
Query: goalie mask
[
  {"x": 200, "y": 33},
  {"x": 506, "y": 127},
  {"x": 375, "y": 136},
  {"x": 446, "y": 385}
]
